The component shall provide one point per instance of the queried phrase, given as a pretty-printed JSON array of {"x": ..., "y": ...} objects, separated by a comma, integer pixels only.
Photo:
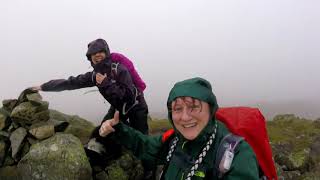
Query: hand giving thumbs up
[{"x": 107, "y": 127}]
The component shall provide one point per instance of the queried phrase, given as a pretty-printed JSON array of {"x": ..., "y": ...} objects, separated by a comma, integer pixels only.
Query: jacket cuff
[
  {"x": 43, "y": 87},
  {"x": 118, "y": 126},
  {"x": 118, "y": 131}
]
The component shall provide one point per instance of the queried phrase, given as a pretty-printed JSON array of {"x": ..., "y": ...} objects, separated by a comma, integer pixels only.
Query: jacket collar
[{"x": 102, "y": 67}]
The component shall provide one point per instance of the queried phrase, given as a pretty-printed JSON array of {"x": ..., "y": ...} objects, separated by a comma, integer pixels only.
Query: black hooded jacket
[{"x": 118, "y": 89}]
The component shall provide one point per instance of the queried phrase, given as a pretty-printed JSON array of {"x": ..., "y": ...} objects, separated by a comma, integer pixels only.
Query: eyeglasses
[{"x": 191, "y": 110}]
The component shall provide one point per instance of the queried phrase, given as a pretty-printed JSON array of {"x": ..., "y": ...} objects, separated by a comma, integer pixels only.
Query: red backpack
[{"x": 250, "y": 124}]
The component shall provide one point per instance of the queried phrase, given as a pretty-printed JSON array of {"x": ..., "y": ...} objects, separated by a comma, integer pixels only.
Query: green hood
[{"x": 198, "y": 88}]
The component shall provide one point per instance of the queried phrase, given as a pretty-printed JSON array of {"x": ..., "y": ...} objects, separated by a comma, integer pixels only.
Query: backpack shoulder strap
[
  {"x": 169, "y": 140},
  {"x": 225, "y": 154},
  {"x": 114, "y": 73},
  {"x": 114, "y": 70},
  {"x": 166, "y": 135},
  {"x": 124, "y": 111}
]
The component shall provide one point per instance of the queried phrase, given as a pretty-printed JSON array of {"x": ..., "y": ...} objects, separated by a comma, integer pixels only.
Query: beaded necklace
[{"x": 201, "y": 155}]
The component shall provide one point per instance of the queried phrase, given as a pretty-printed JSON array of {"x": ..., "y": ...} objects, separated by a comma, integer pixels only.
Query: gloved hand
[{"x": 36, "y": 88}]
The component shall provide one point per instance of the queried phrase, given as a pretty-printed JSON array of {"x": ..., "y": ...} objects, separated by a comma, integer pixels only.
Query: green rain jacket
[{"x": 153, "y": 151}]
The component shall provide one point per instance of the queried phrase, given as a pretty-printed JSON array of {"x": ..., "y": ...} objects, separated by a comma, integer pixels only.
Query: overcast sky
[{"x": 251, "y": 51}]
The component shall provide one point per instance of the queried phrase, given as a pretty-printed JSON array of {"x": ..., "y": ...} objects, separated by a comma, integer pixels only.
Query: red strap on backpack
[
  {"x": 250, "y": 124},
  {"x": 167, "y": 135}
]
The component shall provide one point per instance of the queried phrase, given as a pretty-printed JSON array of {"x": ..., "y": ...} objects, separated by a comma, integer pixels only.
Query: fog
[{"x": 253, "y": 52}]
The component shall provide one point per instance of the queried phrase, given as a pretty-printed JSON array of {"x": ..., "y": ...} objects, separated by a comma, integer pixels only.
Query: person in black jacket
[{"x": 115, "y": 84}]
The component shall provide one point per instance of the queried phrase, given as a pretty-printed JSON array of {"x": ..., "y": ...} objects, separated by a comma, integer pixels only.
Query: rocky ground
[
  {"x": 39, "y": 143},
  {"x": 296, "y": 146}
]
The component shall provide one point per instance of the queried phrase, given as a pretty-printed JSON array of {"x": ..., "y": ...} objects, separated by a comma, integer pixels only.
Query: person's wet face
[
  {"x": 98, "y": 57},
  {"x": 190, "y": 116}
]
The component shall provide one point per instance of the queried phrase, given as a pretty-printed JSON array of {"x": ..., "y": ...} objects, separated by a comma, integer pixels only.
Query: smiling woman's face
[
  {"x": 190, "y": 116},
  {"x": 98, "y": 57}
]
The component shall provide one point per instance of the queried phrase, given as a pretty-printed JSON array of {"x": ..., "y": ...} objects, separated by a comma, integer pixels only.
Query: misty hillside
[{"x": 309, "y": 110}]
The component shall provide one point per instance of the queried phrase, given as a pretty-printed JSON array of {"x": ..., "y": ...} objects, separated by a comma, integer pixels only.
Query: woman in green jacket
[{"x": 188, "y": 152}]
